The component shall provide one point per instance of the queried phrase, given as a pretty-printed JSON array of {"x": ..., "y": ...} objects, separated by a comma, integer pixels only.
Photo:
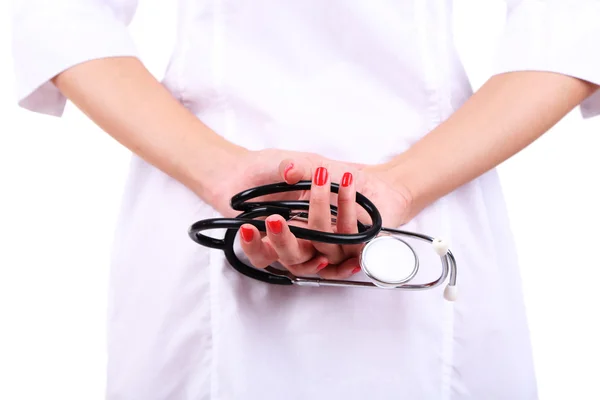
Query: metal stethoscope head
[{"x": 379, "y": 242}]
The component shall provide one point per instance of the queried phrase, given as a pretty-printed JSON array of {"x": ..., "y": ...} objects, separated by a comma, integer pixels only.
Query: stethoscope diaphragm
[{"x": 389, "y": 261}]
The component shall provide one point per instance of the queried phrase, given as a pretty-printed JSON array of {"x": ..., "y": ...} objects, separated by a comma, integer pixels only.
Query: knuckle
[
  {"x": 259, "y": 257},
  {"x": 319, "y": 200},
  {"x": 368, "y": 191},
  {"x": 345, "y": 201},
  {"x": 261, "y": 265},
  {"x": 282, "y": 240},
  {"x": 278, "y": 242},
  {"x": 288, "y": 258},
  {"x": 320, "y": 221},
  {"x": 327, "y": 249},
  {"x": 328, "y": 273},
  {"x": 294, "y": 269},
  {"x": 250, "y": 252},
  {"x": 346, "y": 226},
  {"x": 258, "y": 262},
  {"x": 338, "y": 257},
  {"x": 301, "y": 270}
]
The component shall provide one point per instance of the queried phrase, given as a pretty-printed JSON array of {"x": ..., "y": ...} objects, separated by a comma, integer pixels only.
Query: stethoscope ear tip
[
  {"x": 451, "y": 293},
  {"x": 440, "y": 246}
]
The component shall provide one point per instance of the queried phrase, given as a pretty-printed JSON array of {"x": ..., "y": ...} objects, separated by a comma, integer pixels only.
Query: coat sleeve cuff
[
  {"x": 553, "y": 36},
  {"x": 50, "y": 39}
]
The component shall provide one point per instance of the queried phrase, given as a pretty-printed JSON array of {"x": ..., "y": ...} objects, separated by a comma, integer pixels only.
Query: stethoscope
[{"x": 374, "y": 257}]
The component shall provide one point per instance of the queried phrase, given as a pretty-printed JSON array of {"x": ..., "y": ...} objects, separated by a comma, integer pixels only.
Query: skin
[{"x": 509, "y": 112}]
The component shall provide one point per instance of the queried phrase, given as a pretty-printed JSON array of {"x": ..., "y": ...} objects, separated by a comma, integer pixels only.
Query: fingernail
[
  {"x": 347, "y": 179},
  {"x": 321, "y": 175},
  {"x": 356, "y": 270},
  {"x": 274, "y": 226},
  {"x": 321, "y": 266},
  {"x": 287, "y": 169},
  {"x": 247, "y": 234}
]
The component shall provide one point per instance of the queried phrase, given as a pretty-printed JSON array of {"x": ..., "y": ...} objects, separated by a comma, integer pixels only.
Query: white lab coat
[{"x": 302, "y": 75}]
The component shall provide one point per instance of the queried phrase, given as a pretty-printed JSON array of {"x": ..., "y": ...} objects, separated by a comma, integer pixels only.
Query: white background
[{"x": 60, "y": 187}]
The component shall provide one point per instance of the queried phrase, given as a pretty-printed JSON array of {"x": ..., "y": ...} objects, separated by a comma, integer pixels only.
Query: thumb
[{"x": 294, "y": 170}]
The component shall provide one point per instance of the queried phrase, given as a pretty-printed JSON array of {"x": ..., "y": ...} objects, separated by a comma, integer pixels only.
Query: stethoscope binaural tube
[{"x": 366, "y": 234}]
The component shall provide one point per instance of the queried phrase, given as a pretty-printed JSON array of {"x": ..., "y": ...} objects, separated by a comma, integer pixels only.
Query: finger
[
  {"x": 346, "y": 218},
  {"x": 289, "y": 249},
  {"x": 342, "y": 271},
  {"x": 310, "y": 267},
  {"x": 295, "y": 170},
  {"x": 347, "y": 210},
  {"x": 260, "y": 253},
  {"x": 319, "y": 213}
]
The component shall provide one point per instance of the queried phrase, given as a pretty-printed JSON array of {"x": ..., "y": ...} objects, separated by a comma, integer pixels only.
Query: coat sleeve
[
  {"x": 556, "y": 36},
  {"x": 49, "y": 37}
]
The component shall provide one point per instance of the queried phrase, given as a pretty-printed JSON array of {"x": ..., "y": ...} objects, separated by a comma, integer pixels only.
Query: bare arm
[
  {"x": 125, "y": 100},
  {"x": 509, "y": 112}
]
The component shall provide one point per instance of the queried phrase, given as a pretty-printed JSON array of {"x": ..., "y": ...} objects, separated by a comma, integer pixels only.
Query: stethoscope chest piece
[{"x": 389, "y": 261}]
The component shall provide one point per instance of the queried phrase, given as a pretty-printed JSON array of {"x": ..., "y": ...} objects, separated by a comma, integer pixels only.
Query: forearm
[
  {"x": 508, "y": 113},
  {"x": 125, "y": 100}
]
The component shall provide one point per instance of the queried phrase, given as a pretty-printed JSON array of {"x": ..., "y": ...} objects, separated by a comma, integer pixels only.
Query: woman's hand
[
  {"x": 302, "y": 257},
  {"x": 376, "y": 182},
  {"x": 255, "y": 168}
]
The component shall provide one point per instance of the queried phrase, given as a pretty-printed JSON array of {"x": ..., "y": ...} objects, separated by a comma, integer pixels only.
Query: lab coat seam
[
  {"x": 181, "y": 91},
  {"x": 433, "y": 115},
  {"x": 428, "y": 63},
  {"x": 431, "y": 109},
  {"x": 180, "y": 86},
  {"x": 219, "y": 64},
  {"x": 213, "y": 326},
  {"x": 217, "y": 68},
  {"x": 436, "y": 63}
]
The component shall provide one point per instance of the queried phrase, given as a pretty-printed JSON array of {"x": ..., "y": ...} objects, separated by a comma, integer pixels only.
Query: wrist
[
  {"x": 207, "y": 162},
  {"x": 426, "y": 173},
  {"x": 406, "y": 179},
  {"x": 396, "y": 179}
]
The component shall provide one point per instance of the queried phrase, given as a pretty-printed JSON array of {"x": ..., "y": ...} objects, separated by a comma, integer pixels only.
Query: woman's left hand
[{"x": 330, "y": 261}]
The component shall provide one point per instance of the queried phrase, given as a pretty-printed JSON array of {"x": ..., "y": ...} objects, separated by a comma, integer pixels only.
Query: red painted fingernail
[
  {"x": 247, "y": 234},
  {"x": 347, "y": 179},
  {"x": 321, "y": 175},
  {"x": 356, "y": 270},
  {"x": 287, "y": 169},
  {"x": 321, "y": 266},
  {"x": 274, "y": 226}
]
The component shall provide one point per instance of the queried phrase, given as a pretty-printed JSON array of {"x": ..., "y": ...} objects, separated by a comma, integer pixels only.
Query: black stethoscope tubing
[{"x": 252, "y": 210}]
